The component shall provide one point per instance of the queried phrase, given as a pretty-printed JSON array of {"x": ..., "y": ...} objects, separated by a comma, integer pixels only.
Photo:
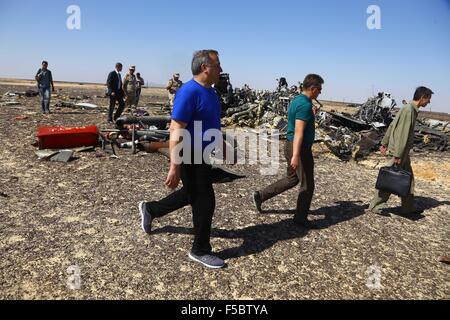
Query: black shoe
[
  {"x": 415, "y": 212},
  {"x": 146, "y": 218},
  {"x": 257, "y": 200},
  {"x": 303, "y": 222}
]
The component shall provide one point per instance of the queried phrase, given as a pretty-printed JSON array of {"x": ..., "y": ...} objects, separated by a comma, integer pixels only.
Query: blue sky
[{"x": 258, "y": 42}]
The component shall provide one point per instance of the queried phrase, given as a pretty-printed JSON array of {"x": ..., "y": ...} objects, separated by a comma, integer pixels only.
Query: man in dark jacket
[
  {"x": 115, "y": 92},
  {"x": 44, "y": 81}
]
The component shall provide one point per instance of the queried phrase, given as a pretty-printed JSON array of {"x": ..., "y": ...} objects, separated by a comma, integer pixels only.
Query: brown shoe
[{"x": 444, "y": 259}]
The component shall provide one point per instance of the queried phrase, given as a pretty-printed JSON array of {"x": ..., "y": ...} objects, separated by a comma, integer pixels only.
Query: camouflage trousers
[
  {"x": 171, "y": 98},
  {"x": 131, "y": 99},
  {"x": 381, "y": 197}
]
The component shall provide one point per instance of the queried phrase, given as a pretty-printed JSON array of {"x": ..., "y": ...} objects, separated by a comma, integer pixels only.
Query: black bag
[{"x": 394, "y": 180}]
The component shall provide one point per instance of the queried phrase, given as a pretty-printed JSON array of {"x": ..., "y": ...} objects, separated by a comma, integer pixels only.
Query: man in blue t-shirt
[
  {"x": 298, "y": 153},
  {"x": 196, "y": 103}
]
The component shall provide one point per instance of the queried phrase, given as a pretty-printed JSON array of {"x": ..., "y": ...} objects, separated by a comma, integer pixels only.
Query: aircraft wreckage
[{"x": 348, "y": 136}]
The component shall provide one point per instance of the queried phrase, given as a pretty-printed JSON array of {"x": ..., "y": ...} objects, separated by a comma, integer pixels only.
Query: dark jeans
[
  {"x": 112, "y": 103},
  {"x": 138, "y": 95},
  {"x": 303, "y": 175},
  {"x": 197, "y": 191}
]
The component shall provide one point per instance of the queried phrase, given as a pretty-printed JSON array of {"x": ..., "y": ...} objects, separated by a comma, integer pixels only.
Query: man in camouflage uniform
[
  {"x": 140, "y": 83},
  {"x": 129, "y": 88},
  {"x": 398, "y": 141},
  {"x": 172, "y": 87}
]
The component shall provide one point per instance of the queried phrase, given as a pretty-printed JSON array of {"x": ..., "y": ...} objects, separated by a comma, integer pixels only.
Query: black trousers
[
  {"x": 112, "y": 103},
  {"x": 138, "y": 95},
  {"x": 197, "y": 191}
]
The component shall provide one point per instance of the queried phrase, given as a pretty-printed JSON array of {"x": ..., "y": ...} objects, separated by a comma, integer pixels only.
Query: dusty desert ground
[{"x": 84, "y": 213}]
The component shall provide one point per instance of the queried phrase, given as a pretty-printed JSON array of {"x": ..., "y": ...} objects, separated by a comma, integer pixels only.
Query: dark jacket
[
  {"x": 44, "y": 81},
  {"x": 113, "y": 83}
]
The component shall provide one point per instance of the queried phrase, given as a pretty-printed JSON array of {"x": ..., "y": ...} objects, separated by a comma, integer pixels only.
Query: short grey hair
[{"x": 201, "y": 57}]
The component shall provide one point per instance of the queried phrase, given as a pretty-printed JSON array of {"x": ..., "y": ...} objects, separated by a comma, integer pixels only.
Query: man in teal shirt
[{"x": 298, "y": 153}]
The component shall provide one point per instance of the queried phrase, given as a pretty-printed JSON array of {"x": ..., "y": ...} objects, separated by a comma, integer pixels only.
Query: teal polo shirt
[{"x": 301, "y": 108}]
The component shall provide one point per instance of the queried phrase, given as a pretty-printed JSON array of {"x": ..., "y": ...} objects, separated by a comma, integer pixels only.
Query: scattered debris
[
  {"x": 46, "y": 154},
  {"x": 258, "y": 109},
  {"x": 160, "y": 122},
  {"x": 86, "y": 106},
  {"x": 347, "y": 136},
  {"x": 11, "y": 94},
  {"x": 84, "y": 149},
  {"x": 31, "y": 93},
  {"x": 377, "y": 111},
  {"x": 10, "y": 103},
  {"x": 73, "y": 105},
  {"x": 62, "y": 156},
  {"x": 355, "y": 137}
]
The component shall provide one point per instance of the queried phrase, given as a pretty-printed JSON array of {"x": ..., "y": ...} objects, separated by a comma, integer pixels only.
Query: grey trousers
[{"x": 304, "y": 175}]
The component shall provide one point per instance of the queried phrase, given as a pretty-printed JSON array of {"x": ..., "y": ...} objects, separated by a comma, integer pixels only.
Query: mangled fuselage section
[{"x": 356, "y": 136}]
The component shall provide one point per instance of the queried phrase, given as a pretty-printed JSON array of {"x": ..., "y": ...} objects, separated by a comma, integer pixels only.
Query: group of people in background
[
  {"x": 126, "y": 92},
  {"x": 130, "y": 89}
]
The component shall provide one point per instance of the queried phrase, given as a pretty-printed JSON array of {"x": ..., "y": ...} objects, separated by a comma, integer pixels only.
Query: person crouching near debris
[
  {"x": 298, "y": 153},
  {"x": 397, "y": 142},
  {"x": 44, "y": 80},
  {"x": 196, "y": 101}
]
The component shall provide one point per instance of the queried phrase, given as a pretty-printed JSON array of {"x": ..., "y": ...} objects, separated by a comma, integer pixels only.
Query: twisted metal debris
[
  {"x": 354, "y": 137},
  {"x": 346, "y": 136}
]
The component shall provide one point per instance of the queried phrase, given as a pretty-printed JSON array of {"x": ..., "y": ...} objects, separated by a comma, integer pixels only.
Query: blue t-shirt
[
  {"x": 193, "y": 102},
  {"x": 301, "y": 109}
]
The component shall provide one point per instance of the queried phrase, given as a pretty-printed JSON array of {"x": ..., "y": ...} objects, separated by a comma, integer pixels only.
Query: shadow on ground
[
  {"x": 259, "y": 238},
  {"x": 422, "y": 203}
]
